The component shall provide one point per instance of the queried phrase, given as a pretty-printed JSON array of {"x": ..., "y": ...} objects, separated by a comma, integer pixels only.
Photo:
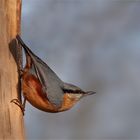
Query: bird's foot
[
  {"x": 21, "y": 71},
  {"x": 18, "y": 103}
]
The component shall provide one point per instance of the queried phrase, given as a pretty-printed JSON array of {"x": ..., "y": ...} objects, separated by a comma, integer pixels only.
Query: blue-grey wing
[{"x": 51, "y": 83}]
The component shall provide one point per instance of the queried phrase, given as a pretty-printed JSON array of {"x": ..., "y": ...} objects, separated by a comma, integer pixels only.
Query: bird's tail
[{"x": 27, "y": 50}]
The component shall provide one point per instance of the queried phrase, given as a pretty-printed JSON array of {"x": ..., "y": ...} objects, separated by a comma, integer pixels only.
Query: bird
[{"x": 42, "y": 88}]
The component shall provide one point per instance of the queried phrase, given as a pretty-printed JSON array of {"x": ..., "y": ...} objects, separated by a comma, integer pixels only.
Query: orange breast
[{"x": 32, "y": 90}]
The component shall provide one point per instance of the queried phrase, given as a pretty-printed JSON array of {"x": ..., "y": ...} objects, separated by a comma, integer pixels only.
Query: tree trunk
[{"x": 11, "y": 118}]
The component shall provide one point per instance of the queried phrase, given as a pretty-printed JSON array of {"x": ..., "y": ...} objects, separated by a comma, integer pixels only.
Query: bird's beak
[{"x": 89, "y": 93}]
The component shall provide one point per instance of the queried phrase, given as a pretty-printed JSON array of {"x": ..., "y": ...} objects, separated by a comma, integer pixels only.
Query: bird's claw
[
  {"x": 21, "y": 71},
  {"x": 18, "y": 103}
]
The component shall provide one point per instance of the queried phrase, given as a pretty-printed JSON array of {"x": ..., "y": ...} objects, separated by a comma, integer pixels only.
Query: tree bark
[{"x": 11, "y": 117}]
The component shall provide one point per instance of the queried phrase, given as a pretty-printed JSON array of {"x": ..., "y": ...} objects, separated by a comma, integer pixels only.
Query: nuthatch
[{"x": 43, "y": 88}]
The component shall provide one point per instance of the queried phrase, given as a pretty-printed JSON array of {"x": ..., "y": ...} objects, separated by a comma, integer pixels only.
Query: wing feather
[{"x": 50, "y": 82}]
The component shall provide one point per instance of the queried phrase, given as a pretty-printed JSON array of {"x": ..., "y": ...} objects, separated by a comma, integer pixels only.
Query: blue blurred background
[{"x": 94, "y": 44}]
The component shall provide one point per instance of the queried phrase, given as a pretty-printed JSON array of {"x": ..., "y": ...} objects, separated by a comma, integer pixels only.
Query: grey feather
[
  {"x": 72, "y": 88},
  {"x": 50, "y": 82}
]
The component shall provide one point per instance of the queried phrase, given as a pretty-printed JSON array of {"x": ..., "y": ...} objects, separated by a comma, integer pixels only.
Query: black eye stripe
[{"x": 73, "y": 91}]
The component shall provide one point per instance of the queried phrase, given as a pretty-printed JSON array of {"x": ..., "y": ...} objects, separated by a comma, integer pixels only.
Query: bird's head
[{"x": 72, "y": 94}]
